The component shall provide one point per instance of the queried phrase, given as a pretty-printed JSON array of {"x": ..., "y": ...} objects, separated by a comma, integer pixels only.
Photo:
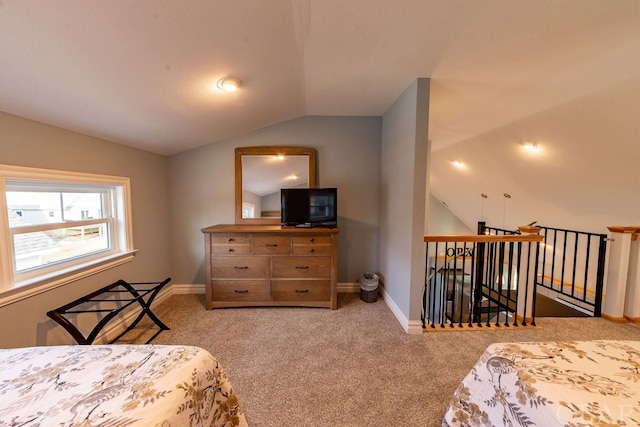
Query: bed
[
  {"x": 115, "y": 386},
  {"x": 573, "y": 383}
]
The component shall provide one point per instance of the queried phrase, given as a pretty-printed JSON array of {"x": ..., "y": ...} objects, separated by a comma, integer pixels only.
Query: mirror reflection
[
  {"x": 262, "y": 178},
  {"x": 260, "y": 174}
]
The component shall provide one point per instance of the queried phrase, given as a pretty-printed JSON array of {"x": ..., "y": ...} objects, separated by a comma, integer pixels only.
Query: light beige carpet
[{"x": 354, "y": 366}]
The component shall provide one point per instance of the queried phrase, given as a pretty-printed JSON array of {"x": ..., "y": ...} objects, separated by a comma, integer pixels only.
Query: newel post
[
  {"x": 613, "y": 306},
  {"x": 632, "y": 297},
  {"x": 527, "y": 276}
]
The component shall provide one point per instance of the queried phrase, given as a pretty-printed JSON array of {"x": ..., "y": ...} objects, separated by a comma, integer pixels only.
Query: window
[
  {"x": 60, "y": 227},
  {"x": 248, "y": 210}
]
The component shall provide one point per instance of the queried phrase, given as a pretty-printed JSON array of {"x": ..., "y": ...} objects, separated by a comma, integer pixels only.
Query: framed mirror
[{"x": 260, "y": 174}]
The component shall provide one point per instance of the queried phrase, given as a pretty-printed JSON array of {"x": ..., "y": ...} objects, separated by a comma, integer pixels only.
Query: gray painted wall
[
  {"x": 443, "y": 221},
  {"x": 348, "y": 157},
  {"x": 27, "y": 143},
  {"x": 403, "y": 197}
]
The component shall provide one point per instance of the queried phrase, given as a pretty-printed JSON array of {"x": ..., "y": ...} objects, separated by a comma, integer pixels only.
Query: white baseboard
[
  {"x": 186, "y": 288},
  {"x": 348, "y": 287},
  {"x": 415, "y": 327},
  {"x": 411, "y": 327}
]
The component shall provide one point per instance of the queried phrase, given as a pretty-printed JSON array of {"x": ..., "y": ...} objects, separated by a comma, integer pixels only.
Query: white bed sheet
[
  {"x": 115, "y": 385},
  {"x": 577, "y": 383}
]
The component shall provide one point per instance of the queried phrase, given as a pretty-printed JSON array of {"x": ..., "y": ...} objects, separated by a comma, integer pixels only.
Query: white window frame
[
  {"x": 14, "y": 285},
  {"x": 251, "y": 209}
]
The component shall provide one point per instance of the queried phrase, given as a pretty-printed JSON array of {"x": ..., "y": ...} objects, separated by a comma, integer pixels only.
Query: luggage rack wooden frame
[{"x": 141, "y": 292}]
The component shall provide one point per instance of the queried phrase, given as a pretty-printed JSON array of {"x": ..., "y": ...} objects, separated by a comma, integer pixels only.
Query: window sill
[{"x": 43, "y": 284}]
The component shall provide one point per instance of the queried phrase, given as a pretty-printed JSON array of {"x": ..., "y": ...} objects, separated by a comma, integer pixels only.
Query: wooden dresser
[{"x": 270, "y": 265}]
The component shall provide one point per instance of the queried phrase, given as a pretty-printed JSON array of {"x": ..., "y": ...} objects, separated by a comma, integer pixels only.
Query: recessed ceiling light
[
  {"x": 229, "y": 84},
  {"x": 530, "y": 146},
  {"x": 458, "y": 164}
]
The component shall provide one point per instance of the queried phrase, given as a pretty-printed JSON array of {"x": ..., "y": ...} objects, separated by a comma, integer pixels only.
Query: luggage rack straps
[{"x": 136, "y": 292}]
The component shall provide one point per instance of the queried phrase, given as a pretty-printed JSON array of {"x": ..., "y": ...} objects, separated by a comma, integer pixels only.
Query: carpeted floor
[{"x": 354, "y": 366}]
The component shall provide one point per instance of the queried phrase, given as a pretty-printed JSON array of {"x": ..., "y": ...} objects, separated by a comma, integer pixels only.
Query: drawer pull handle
[
  {"x": 240, "y": 267},
  {"x": 272, "y": 245},
  {"x": 243, "y": 291},
  {"x": 302, "y": 291},
  {"x": 230, "y": 250},
  {"x": 302, "y": 267},
  {"x": 311, "y": 251},
  {"x": 230, "y": 239},
  {"x": 311, "y": 240}
]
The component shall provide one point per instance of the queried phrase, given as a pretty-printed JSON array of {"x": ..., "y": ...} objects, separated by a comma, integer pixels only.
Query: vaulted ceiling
[
  {"x": 565, "y": 74},
  {"x": 143, "y": 73}
]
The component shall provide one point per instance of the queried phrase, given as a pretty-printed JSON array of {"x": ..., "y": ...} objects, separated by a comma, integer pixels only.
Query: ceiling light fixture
[
  {"x": 229, "y": 84},
  {"x": 530, "y": 146},
  {"x": 458, "y": 164}
]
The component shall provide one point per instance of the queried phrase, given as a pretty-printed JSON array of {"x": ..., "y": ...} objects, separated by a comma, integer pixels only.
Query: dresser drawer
[
  {"x": 312, "y": 250},
  {"x": 301, "y": 290},
  {"x": 230, "y": 239},
  {"x": 311, "y": 245},
  {"x": 230, "y": 244},
  {"x": 241, "y": 267},
  {"x": 241, "y": 290},
  {"x": 262, "y": 244},
  {"x": 301, "y": 267},
  {"x": 311, "y": 240},
  {"x": 230, "y": 249}
]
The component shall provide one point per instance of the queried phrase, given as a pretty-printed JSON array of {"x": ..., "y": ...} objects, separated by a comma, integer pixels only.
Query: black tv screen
[{"x": 309, "y": 206}]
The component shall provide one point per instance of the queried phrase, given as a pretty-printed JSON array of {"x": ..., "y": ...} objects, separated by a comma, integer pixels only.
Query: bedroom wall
[
  {"x": 348, "y": 157},
  {"x": 27, "y": 143},
  {"x": 403, "y": 200},
  {"x": 443, "y": 221}
]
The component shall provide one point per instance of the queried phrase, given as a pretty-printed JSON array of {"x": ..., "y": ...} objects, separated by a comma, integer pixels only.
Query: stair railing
[
  {"x": 572, "y": 266},
  {"x": 480, "y": 281}
]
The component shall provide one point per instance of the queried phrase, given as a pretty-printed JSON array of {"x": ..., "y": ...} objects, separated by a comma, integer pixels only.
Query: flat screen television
[{"x": 309, "y": 207}]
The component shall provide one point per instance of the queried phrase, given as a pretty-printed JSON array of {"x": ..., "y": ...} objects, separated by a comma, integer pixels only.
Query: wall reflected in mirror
[{"x": 262, "y": 178}]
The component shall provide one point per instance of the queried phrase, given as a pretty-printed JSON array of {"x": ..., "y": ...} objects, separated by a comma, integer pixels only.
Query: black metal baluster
[
  {"x": 519, "y": 283},
  {"x": 564, "y": 254},
  {"x": 602, "y": 251},
  {"x": 575, "y": 264},
  {"x": 433, "y": 282},
  {"x": 472, "y": 288},
  {"x": 553, "y": 259}
]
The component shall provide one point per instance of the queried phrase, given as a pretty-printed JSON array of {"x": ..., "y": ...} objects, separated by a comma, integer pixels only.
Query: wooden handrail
[{"x": 484, "y": 238}]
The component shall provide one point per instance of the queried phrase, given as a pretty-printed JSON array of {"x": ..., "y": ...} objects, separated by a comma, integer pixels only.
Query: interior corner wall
[
  {"x": 202, "y": 185},
  {"x": 403, "y": 198},
  {"x": 31, "y": 144}
]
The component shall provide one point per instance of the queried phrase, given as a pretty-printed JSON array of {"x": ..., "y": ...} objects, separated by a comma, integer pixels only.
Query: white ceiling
[
  {"x": 140, "y": 72},
  {"x": 266, "y": 175}
]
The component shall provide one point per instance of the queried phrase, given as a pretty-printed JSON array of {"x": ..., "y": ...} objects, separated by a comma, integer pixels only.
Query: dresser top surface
[{"x": 271, "y": 229}]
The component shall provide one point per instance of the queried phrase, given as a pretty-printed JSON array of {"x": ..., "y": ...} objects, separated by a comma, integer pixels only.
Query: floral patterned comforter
[
  {"x": 115, "y": 386},
  {"x": 579, "y": 383}
]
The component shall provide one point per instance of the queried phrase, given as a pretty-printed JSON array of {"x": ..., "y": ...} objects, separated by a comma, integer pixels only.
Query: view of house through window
[
  {"x": 38, "y": 224},
  {"x": 60, "y": 226}
]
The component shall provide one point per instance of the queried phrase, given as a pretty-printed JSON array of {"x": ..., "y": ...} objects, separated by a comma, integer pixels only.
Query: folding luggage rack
[{"x": 112, "y": 295}]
